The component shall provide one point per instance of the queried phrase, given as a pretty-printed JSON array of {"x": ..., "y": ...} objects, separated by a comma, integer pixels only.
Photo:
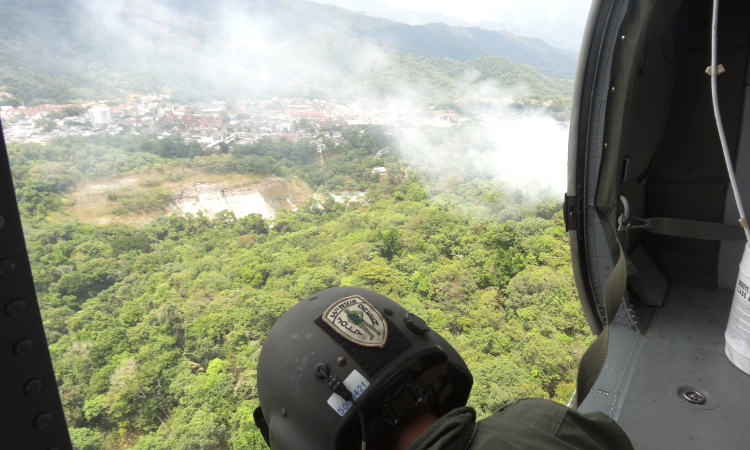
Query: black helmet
[{"x": 387, "y": 358}]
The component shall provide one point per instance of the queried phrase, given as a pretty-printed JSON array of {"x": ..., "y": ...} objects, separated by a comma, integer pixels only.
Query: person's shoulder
[
  {"x": 544, "y": 415},
  {"x": 538, "y": 423}
]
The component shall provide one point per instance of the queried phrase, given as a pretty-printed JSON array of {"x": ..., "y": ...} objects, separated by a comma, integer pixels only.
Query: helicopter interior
[{"x": 645, "y": 156}]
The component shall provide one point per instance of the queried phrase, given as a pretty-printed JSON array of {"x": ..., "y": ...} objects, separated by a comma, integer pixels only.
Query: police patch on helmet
[{"x": 358, "y": 321}]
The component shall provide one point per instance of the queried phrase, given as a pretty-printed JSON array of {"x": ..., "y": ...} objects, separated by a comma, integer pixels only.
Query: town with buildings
[{"x": 213, "y": 123}]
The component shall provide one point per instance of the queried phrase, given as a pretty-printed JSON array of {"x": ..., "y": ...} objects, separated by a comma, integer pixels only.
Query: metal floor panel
[{"x": 684, "y": 346}]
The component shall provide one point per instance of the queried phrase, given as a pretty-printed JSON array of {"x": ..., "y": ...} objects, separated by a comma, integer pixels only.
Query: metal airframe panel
[{"x": 598, "y": 256}]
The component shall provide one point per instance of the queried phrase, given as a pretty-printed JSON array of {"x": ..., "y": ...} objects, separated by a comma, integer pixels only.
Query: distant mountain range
[
  {"x": 540, "y": 20},
  {"x": 98, "y": 49},
  {"x": 461, "y": 43}
]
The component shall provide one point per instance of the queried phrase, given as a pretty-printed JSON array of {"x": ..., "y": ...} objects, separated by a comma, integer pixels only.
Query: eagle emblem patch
[{"x": 357, "y": 321}]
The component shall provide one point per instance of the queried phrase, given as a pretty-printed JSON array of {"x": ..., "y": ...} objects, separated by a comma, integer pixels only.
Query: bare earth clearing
[{"x": 192, "y": 191}]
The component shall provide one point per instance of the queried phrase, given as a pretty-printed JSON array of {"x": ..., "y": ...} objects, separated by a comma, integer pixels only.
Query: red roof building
[{"x": 309, "y": 114}]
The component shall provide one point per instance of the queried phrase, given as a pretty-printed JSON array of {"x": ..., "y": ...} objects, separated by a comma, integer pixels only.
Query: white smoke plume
[
  {"x": 233, "y": 49},
  {"x": 531, "y": 152}
]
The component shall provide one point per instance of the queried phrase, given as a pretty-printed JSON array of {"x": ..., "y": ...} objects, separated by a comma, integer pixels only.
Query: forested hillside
[
  {"x": 80, "y": 51},
  {"x": 466, "y": 43},
  {"x": 155, "y": 330}
]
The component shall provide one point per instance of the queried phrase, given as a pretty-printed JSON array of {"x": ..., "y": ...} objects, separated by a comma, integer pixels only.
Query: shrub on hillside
[{"x": 148, "y": 201}]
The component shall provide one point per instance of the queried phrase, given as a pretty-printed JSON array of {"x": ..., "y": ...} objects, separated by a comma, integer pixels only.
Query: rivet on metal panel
[
  {"x": 15, "y": 308},
  {"x": 23, "y": 347},
  {"x": 32, "y": 387},
  {"x": 42, "y": 420},
  {"x": 6, "y": 267}
]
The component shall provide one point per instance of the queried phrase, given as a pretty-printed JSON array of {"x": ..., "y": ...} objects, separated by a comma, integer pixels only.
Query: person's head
[{"x": 387, "y": 358}]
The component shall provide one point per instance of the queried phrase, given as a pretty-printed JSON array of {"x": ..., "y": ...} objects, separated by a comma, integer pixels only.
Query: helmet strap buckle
[{"x": 401, "y": 406}]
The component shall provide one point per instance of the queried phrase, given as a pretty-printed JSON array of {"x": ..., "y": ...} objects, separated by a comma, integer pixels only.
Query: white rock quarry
[
  {"x": 351, "y": 196},
  {"x": 212, "y": 198}
]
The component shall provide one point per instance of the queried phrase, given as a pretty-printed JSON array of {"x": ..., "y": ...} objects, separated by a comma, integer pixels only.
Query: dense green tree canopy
[{"x": 155, "y": 329}]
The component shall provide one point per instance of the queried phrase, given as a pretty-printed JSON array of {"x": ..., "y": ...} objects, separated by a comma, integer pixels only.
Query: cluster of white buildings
[
  {"x": 210, "y": 123},
  {"x": 39, "y": 123},
  {"x": 100, "y": 115}
]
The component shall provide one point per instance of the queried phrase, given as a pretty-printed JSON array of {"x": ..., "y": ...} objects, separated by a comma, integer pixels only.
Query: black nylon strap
[
  {"x": 402, "y": 405},
  {"x": 427, "y": 388},
  {"x": 693, "y": 229}
]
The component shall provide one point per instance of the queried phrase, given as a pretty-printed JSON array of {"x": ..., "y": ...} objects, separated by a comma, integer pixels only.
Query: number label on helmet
[
  {"x": 356, "y": 384},
  {"x": 358, "y": 321}
]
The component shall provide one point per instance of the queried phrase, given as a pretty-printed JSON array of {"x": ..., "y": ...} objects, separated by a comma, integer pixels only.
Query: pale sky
[{"x": 477, "y": 10}]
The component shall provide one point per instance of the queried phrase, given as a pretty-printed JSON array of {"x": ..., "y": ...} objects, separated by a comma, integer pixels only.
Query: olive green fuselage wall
[{"x": 659, "y": 118}]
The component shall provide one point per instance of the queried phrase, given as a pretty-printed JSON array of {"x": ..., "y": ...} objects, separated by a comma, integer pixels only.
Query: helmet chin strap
[
  {"x": 321, "y": 371},
  {"x": 402, "y": 406}
]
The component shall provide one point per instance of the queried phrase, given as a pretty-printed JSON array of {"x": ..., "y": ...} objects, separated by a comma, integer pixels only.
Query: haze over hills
[
  {"x": 559, "y": 23},
  {"x": 461, "y": 43},
  {"x": 95, "y": 49}
]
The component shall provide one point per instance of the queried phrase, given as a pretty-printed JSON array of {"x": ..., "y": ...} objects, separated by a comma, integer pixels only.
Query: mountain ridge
[
  {"x": 564, "y": 34},
  {"x": 94, "y": 50}
]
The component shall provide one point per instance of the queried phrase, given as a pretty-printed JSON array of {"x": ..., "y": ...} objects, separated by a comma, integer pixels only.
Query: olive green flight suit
[{"x": 524, "y": 424}]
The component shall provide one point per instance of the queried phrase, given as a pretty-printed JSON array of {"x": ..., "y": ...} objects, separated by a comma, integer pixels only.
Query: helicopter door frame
[{"x": 31, "y": 415}]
